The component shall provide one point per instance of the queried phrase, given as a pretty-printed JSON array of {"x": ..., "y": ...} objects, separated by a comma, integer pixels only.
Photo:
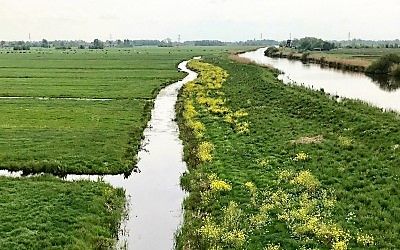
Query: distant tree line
[
  {"x": 97, "y": 44},
  {"x": 208, "y": 43},
  {"x": 360, "y": 44},
  {"x": 311, "y": 43}
]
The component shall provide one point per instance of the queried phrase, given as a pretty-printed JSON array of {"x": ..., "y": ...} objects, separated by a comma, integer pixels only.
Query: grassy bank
[
  {"x": 346, "y": 59},
  {"x": 46, "y": 213},
  {"x": 281, "y": 167}
]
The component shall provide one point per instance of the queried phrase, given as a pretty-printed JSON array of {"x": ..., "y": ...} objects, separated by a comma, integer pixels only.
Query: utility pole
[
  {"x": 261, "y": 36},
  {"x": 29, "y": 37},
  {"x": 179, "y": 39},
  {"x": 349, "y": 38}
]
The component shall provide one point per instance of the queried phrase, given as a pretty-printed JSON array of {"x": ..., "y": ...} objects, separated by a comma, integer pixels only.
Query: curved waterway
[
  {"x": 383, "y": 93},
  {"x": 154, "y": 193}
]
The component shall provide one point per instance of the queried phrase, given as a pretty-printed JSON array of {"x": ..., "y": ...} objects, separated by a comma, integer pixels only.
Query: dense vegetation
[
  {"x": 282, "y": 167},
  {"x": 387, "y": 64},
  {"x": 46, "y": 213},
  {"x": 312, "y": 43}
]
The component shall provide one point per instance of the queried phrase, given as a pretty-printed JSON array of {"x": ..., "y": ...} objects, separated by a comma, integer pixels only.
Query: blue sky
[{"x": 227, "y": 20}]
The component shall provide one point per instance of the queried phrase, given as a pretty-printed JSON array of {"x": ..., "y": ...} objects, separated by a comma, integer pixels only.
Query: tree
[
  {"x": 2, "y": 43},
  {"x": 97, "y": 44},
  {"x": 45, "y": 43},
  {"x": 311, "y": 43}
]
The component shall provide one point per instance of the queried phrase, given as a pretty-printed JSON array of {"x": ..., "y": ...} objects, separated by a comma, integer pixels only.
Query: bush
[
  {"x": 304, "y": 56},
  {"x": 271, "y": 51},
  {"x": 21, "y": 47},
  {"x": 395, "y": 71},
  {"x": 384, "y": 64}
]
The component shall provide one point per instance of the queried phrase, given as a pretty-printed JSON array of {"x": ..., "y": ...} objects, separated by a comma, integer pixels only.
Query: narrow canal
[{"x": 154, "y": 193}]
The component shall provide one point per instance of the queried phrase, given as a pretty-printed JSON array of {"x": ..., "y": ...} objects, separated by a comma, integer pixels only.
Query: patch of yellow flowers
[
  {"x": 206, "y": 90},
  {"x": 298, "y": 200},
  {"x": 227, "y": 233},
  {"x": 346, "y": 142},
  {"x": 301, "y": 157},
  {"x": 306, "y": 180},
  {"x": 204, "y": 152}
]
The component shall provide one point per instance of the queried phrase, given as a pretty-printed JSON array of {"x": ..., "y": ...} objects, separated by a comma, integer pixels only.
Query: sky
[{"x": 226, "y": 20}]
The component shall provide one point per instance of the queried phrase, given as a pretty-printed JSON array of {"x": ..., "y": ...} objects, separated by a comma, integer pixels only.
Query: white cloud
[{"x": 206, "y": 19}]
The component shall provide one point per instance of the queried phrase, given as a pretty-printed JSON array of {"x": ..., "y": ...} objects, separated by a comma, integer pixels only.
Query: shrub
[
  {"x": 271, "y": 51},
  {"x": 304, "y": 56},
  {"x": 384, "y": 64},
  {"x": 395, "y": 71}
]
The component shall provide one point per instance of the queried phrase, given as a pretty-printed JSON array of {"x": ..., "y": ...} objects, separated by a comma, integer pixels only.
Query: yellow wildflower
[{"x": 204, "y": 151}]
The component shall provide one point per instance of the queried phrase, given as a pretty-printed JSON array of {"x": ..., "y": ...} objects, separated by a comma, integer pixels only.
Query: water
[
  {"x": 381, "y": 92},
  {"x": 154, "y": 192}
]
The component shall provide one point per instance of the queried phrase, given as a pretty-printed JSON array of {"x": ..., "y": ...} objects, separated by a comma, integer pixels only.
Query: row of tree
[
  {"x": 98, "y": 44},
  {"x": 310, "y": 43}
]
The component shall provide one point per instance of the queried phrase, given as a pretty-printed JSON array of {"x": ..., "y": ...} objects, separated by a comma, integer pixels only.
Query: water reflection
[
  {"x": 383, "y": 93},
  {"x": 386, "y": 83}
]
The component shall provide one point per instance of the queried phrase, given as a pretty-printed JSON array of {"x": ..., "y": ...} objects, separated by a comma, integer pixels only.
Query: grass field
[
  {"x": 47, "y": 132},
  {"x": 282, "y": 167},
  {"x": 46, "y": 213},
  {"x": 82, "y": 136},
  {"x": 71, "y": 136}
]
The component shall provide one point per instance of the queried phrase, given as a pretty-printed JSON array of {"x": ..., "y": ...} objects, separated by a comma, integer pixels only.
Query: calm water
[
  {"x": 156, "y": 197},
  {"x": 383, "y": 93},
  {"x": 154, "y": 193}
]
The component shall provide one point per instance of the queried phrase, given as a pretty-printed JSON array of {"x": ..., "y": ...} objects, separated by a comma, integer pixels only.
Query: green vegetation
[
  {"x": 57, "y": 127},
  {"x": 46, "y": 213},
  {"x": 282, "y": 167},
  {"x": 387, "y": 64},
  {"x": 312, "y": 43},
  {"x": 63, "y": 136},
  {"x": 71, "y": 136}
]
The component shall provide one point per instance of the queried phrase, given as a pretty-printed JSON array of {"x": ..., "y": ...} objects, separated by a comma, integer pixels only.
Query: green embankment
[
  {"x": 282, "y": 167},
  {"x": 46, "y": 213}
]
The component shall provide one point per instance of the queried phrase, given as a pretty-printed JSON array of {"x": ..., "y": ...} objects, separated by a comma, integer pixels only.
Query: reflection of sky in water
[{"x": 333, "y": 81}]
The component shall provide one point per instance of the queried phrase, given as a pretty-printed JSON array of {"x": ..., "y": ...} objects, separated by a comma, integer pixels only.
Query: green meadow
[
  {"x": 59, "y": 127},
  {"x": 46, "y": 213},
  {"x": 274, "y": 166},
  {"x": 63, "y": 136}
]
